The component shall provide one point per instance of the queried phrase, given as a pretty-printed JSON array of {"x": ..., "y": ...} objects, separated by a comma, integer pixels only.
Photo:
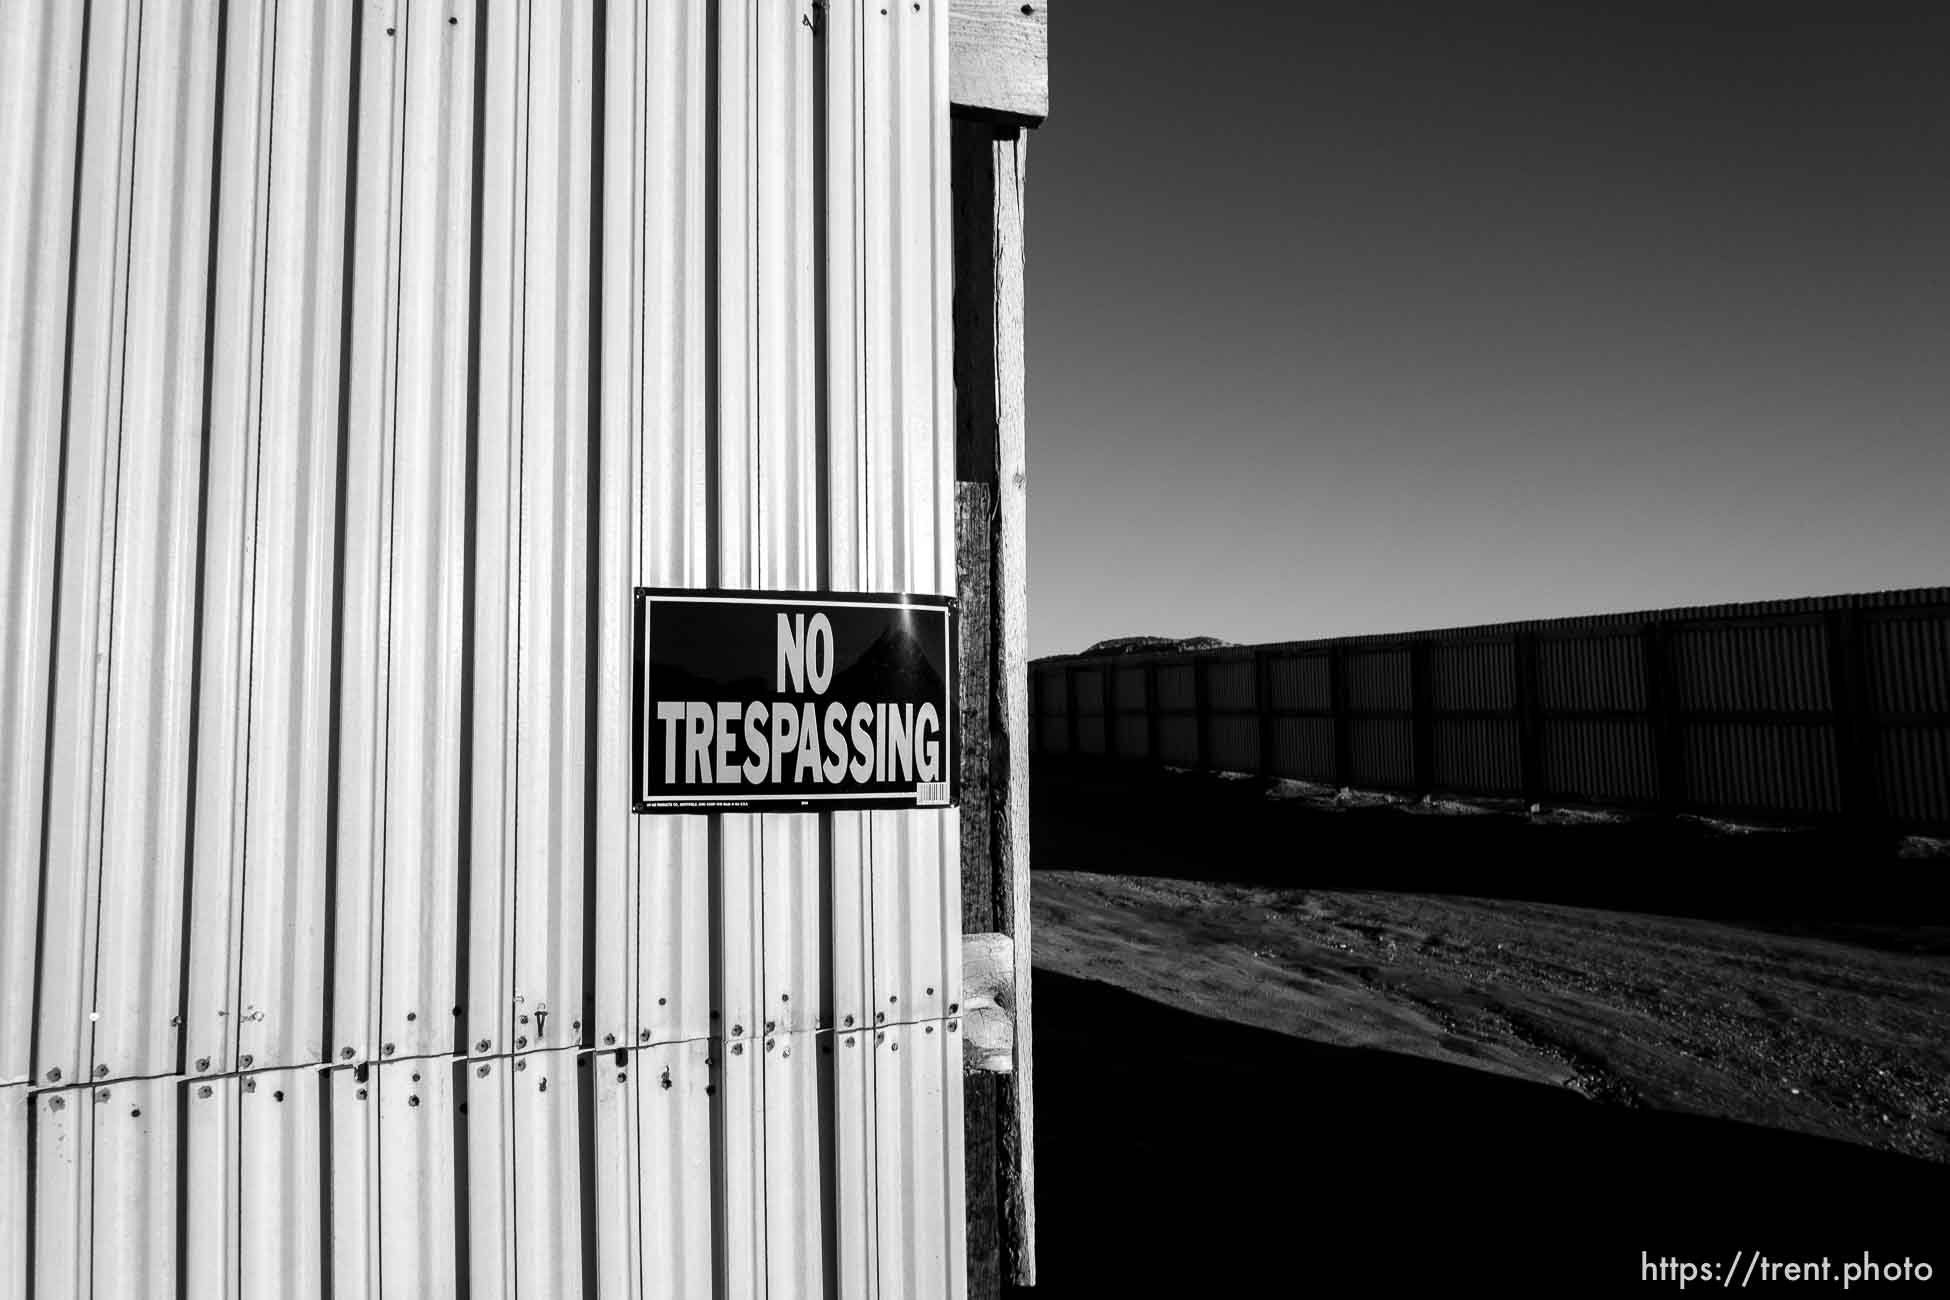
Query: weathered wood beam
[
  {"x": 988, "y": 999},
  {"x": 998, "y": 59},
  {"x": 1009, "y": 152}
]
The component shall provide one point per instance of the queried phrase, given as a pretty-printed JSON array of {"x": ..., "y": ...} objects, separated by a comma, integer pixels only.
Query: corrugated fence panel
[
  {"x": 1913, "y": 768},
  {"x": 1381, "y": 753},
  {"x": 1304, "y": 748},
  {"x": 1473, "y": 676},
  {"x": 1378, "y": 679},
  {"x": 399, "y": 342},
  {"x": 1089, "y": 688},
  {"x": 426, "y": 468},
  {"x": 40, "y": 84},
  {"x": 15, "y": 1102},
  {"x": 1777, "y": 667},
  {"x": 1477, "y": 756},
  {"x": 1600, "y": 762},
  {"x": 1235, "y": 743},
  {"x": 286, "y": 774},
  {"x": 1178, "y": 740},
  {"x": 1908, "y": 662},
  {"x": 1175, "y": 688},
  {"x": 1052, "y": 698},
  {"x": 150, "y": 618},
  {"x": 1765, "y": 768},
  {"x": 1128, "y": 689},
  {"x": 1133, "y": 736},
  {"x": 1231, "y": 685},
  {"x": 1591, "y": 673},
  {"x": 1301, "y": 682},
  {"x": 279, "y": 1143}
]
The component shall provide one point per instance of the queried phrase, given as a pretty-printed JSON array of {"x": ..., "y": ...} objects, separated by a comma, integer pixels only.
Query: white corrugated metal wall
[{"x": 356, "y": 362}]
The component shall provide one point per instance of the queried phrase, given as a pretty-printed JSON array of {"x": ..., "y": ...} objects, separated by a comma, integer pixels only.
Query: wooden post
[
  {"x": 1530, "y": 722},
  {"x": 999, "y": 1108},
  {"x": 1422, "y": 716},
  {"x": 1337, "y": 706},
  {"x": 1662, "y": 707},
  {"x": 974, "y": 561}
]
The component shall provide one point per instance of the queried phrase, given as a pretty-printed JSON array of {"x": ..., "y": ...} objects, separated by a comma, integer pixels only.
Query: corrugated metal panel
[
  {"x": 1591, "y": 674},
  {"x": 1913, "y": 767},
  {"x": 1052, "y": 695},
  {"x": 1476, "y": 755},
  {"x": 1600, "y": 762},
  {"x": 1908, "y": 662},
  {"x": 1300, "y": 682},
  {"x": 1128, "y": 689},
  {"x": 40, "y": 82},
  {"x": 1381, "y": 753},
  {"x": 1235, "y": 743},
  {"x": 1473, "y": 676},
  {"x": 16, "y": 1101},
  {"x": 1178, "y": 740},
  {"x": 1230, "y": 683},
  {"x": 391, "y": 376},
  {"x": 1175, "y": 687},
  {"x": 1378, "y": 679},
  {"x": 1090, "y": 735},
  {"x": 1767, "y": 768},
  {"x": 1089, "y": 692},
  {"x": 1133, "y": 737},
  {"x": 1778, "y": 667},
  {"x": 1304, "y": 748},
  {"x": 1053, "y": 735}
]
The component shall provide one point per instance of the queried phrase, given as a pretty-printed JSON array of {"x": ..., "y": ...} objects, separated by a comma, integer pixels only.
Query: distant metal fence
[{"x": 1824, "y": 708}]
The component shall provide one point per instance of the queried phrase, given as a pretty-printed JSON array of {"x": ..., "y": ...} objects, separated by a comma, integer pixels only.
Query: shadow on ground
[
  {"x": 1141, "y": 821},
  {"x": 1179, "y": 1155}
]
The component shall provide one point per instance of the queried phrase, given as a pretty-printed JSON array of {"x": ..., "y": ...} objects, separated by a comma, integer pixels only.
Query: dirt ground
[{"x": 1285, "y": 1039}]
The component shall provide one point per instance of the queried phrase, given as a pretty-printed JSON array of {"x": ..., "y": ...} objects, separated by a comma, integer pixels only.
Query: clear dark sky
[{"x": 1365, "y": 317}]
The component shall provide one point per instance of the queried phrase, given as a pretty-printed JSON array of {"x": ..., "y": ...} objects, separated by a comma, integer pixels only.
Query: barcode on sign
[{"x": 931, "y": 794}]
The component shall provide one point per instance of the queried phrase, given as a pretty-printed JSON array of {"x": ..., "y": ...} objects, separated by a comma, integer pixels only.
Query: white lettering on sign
[{"x": 731, "y": 742}]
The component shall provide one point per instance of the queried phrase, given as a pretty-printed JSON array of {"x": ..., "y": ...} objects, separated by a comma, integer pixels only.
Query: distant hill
[{"x": 1131, "y": 645}]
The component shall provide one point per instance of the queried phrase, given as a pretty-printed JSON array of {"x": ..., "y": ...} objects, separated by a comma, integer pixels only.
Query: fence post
[
  {"x": 1202, "y": 713},
  {"x": 1421, "y": 698},
  {"x": 1662, "y": 709},
  {"x": 1263, "y": 708},
  {"x": 1852, "y": 711},
  {"x": 1110, "y": 712},
  {"x": 1070, "y": 709},
  {"x": 1151, "y": 712},
  {"x": 1530, "y": 728},
  {"x": 1337, "y": 707}
]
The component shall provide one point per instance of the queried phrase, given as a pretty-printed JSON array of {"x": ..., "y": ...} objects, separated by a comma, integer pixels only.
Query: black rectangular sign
[{"x": 776, "y": 701}]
